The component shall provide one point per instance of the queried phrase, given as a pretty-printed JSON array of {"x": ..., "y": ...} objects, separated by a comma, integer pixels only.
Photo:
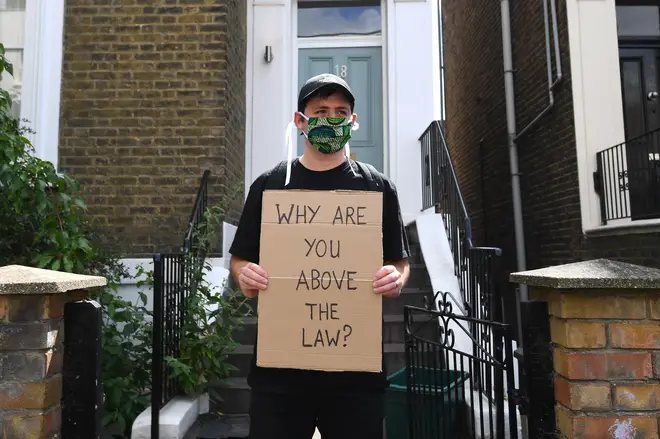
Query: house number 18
[{"x": 341, "y": 71}]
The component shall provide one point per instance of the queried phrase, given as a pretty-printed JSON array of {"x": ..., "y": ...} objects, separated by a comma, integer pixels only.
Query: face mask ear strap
[
  {"x": 289, "y": 150},
  {"x": 347, "y": 150}
]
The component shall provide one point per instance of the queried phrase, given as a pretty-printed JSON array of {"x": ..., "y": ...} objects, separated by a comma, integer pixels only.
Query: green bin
[{"x": 438, "y": 400}]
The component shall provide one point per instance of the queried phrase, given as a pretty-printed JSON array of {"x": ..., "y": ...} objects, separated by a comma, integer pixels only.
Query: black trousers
[{"x": 337, "y": 415}]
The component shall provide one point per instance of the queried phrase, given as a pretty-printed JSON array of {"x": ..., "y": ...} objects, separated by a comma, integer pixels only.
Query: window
[
  {"x": 638, "y": 21},
  {"x": 12, "y": 36},
  {"x": 329, "y": 19}
]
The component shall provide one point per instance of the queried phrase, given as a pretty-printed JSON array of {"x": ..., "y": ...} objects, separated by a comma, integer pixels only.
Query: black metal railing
[
  {"x": 473, "y": 266},
  {"x": 171, "y": 290},
  {"x": 174, "y": 281},
  {"x": 441, "y": 402},
  {"x": 627, "y": 179},
  {"x": 191, "y": 241}
]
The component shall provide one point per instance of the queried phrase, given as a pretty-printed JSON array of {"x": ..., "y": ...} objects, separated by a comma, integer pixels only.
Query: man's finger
[
  {"x": 390, "y": 278},
  {"x": 384, "y": 271},
  {"x": 257, "y": 269},
  {"x": 253, "y": 283},
  {"x": 256, "y": 276},
  {"x": 393, "y": 288}
]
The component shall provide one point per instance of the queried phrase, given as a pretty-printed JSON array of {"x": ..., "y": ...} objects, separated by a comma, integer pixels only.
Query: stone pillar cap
[
  {"x": 597, "y": 273},
  {"x": 18, "y": 279}
]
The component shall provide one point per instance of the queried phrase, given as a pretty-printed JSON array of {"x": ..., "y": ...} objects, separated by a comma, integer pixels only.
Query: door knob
[{"x": 652, "y": 96}]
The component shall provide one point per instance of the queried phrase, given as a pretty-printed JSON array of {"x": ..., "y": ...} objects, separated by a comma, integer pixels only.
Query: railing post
[
  {"x": 82, "y": 396},
  {"x": 157, "y": 347},
  {"x": 599, "y": 186},
  {"x": 537, "y": 372}
]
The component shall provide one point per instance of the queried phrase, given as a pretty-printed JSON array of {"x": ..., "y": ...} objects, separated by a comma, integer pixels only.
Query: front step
[
  {"x": 235, "y": 391},
  {"x": 214, "y": 426}
]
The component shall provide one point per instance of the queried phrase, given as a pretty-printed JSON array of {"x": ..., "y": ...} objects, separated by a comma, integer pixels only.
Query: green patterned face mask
[{"x": 328, "y": 134}]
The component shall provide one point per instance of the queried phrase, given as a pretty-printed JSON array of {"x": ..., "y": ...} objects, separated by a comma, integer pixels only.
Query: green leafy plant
[
  {"x": 39, "y": 218},
  {"x": 43, "y": 224},
  {"x": 209, "y": 324},
  {"x": 126, "y": 348}
]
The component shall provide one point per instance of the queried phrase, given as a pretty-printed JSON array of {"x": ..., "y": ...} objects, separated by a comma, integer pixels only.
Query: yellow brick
[
  {"x": 581, "y": 396},
  {"x": 564, "y": 421},
  {"x": 637, "y": 396},
  {"x": 654, "y": 306},
  {"x": 577, "y": 334},
  {"x": 601, "y": 305},
  {"x": 635, "y": 336},
  {"x": 35, "y": 395}
]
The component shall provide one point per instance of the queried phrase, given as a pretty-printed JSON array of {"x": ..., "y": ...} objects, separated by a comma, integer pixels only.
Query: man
[{"x": 290, "y": 403}]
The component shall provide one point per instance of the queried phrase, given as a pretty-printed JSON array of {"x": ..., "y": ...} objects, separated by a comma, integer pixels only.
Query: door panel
[
  {"x": 639, "y": 83},
  {"x": 362, "y": 69}
]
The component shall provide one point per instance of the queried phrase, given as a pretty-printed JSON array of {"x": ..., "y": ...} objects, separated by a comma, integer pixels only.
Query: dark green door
[{"x": 361, "y": 67}]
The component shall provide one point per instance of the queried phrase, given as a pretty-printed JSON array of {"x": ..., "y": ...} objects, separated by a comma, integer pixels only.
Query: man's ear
[
  {"x": 299, "y": 121},
  {"x": 354, "y": 118}
]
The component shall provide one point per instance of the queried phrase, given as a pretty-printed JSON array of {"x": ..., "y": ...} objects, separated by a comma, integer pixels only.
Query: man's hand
[
  {"x": 388, "y": 281},
  {"x": 252, "y": 279}
]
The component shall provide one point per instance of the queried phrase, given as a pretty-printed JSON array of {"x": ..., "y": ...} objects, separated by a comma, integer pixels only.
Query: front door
[
  {"x": 361, "y": 67},
  {"x": 640, "y": 80}
]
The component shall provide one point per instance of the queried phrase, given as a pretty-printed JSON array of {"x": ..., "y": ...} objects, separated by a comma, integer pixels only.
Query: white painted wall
[
  {"x": 411, "y": 71},
  {"x": 216, "y": 276},
  {"x": 597, "y": 101}
]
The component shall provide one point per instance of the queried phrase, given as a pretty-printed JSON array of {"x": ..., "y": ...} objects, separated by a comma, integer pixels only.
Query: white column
[
  {"x": 597, "y": 101},
  {"x": 268, "y": 85},
  {"x": 414, "y": 92}
]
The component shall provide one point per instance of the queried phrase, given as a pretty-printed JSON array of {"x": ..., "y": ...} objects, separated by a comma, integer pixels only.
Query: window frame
[{"x": 42, "y": 74}]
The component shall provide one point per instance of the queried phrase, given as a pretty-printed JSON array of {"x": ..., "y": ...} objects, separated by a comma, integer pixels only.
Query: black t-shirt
[{"x": 246, "y": 246}]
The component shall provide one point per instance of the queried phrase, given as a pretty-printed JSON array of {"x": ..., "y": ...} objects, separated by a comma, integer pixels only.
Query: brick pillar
[
  {"x": 31, "y": 313},
  {"x": 605, "y": 326}
]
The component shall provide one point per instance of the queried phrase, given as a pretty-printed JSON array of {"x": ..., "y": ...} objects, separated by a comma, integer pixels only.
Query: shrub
[{"x": 43, "y": 224}]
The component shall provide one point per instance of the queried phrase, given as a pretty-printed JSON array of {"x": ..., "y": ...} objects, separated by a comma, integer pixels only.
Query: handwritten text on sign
[{"x": 321, "y": 250}]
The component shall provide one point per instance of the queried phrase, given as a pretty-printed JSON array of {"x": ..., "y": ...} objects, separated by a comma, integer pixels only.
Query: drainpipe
[
  {"x": 512, "y": 135},
  {"x": 509, "y": 95}
]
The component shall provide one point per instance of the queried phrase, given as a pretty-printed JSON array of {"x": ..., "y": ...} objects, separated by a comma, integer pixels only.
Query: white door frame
[{"x": 344, "y": 42}]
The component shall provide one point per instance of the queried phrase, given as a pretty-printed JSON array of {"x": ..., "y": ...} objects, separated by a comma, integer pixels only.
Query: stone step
[
  {"x": 409, "y": 296},
  {"x": 419, "y": 277},
  {"x": 234, "y": 396},
  {"x": 234, "y": 392},
  {"x": 215, "y": 426}
]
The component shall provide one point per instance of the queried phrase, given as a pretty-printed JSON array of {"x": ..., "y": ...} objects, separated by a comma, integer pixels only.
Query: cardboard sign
[{"x": 321, "y": 250}]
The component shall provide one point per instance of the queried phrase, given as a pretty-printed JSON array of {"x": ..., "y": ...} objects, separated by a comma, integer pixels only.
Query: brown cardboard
[{"x": 333, "y": 323}]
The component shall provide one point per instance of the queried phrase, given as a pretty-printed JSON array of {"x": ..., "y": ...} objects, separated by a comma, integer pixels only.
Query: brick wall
[
  {"x": 606, "y": 361},
  {"x": 153, "y": 93},
  {"x": 476, "y": 131}
]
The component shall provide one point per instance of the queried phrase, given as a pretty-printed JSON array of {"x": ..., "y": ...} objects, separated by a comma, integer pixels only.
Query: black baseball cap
[{"x": 318, "y": 82}]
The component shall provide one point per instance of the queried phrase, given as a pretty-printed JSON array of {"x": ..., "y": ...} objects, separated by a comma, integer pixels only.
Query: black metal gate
[{"x": 459, "y": 387}]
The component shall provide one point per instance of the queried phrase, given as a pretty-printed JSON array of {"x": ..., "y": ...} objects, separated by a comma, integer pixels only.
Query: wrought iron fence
[
  {"x": 175, "y": 280},
  {"x": 191, "y": 241},
  {"x": 473, "y": 266},
  {"x": 441, "y": 400},
  {"x": 171, "y": 289},
  {"x": 627, "y": 179}
]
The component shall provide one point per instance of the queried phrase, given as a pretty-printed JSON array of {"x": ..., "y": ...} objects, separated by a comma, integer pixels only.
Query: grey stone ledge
[
  {"x": 18, "y": 279},
  {"x": 597, "y": 273}
]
